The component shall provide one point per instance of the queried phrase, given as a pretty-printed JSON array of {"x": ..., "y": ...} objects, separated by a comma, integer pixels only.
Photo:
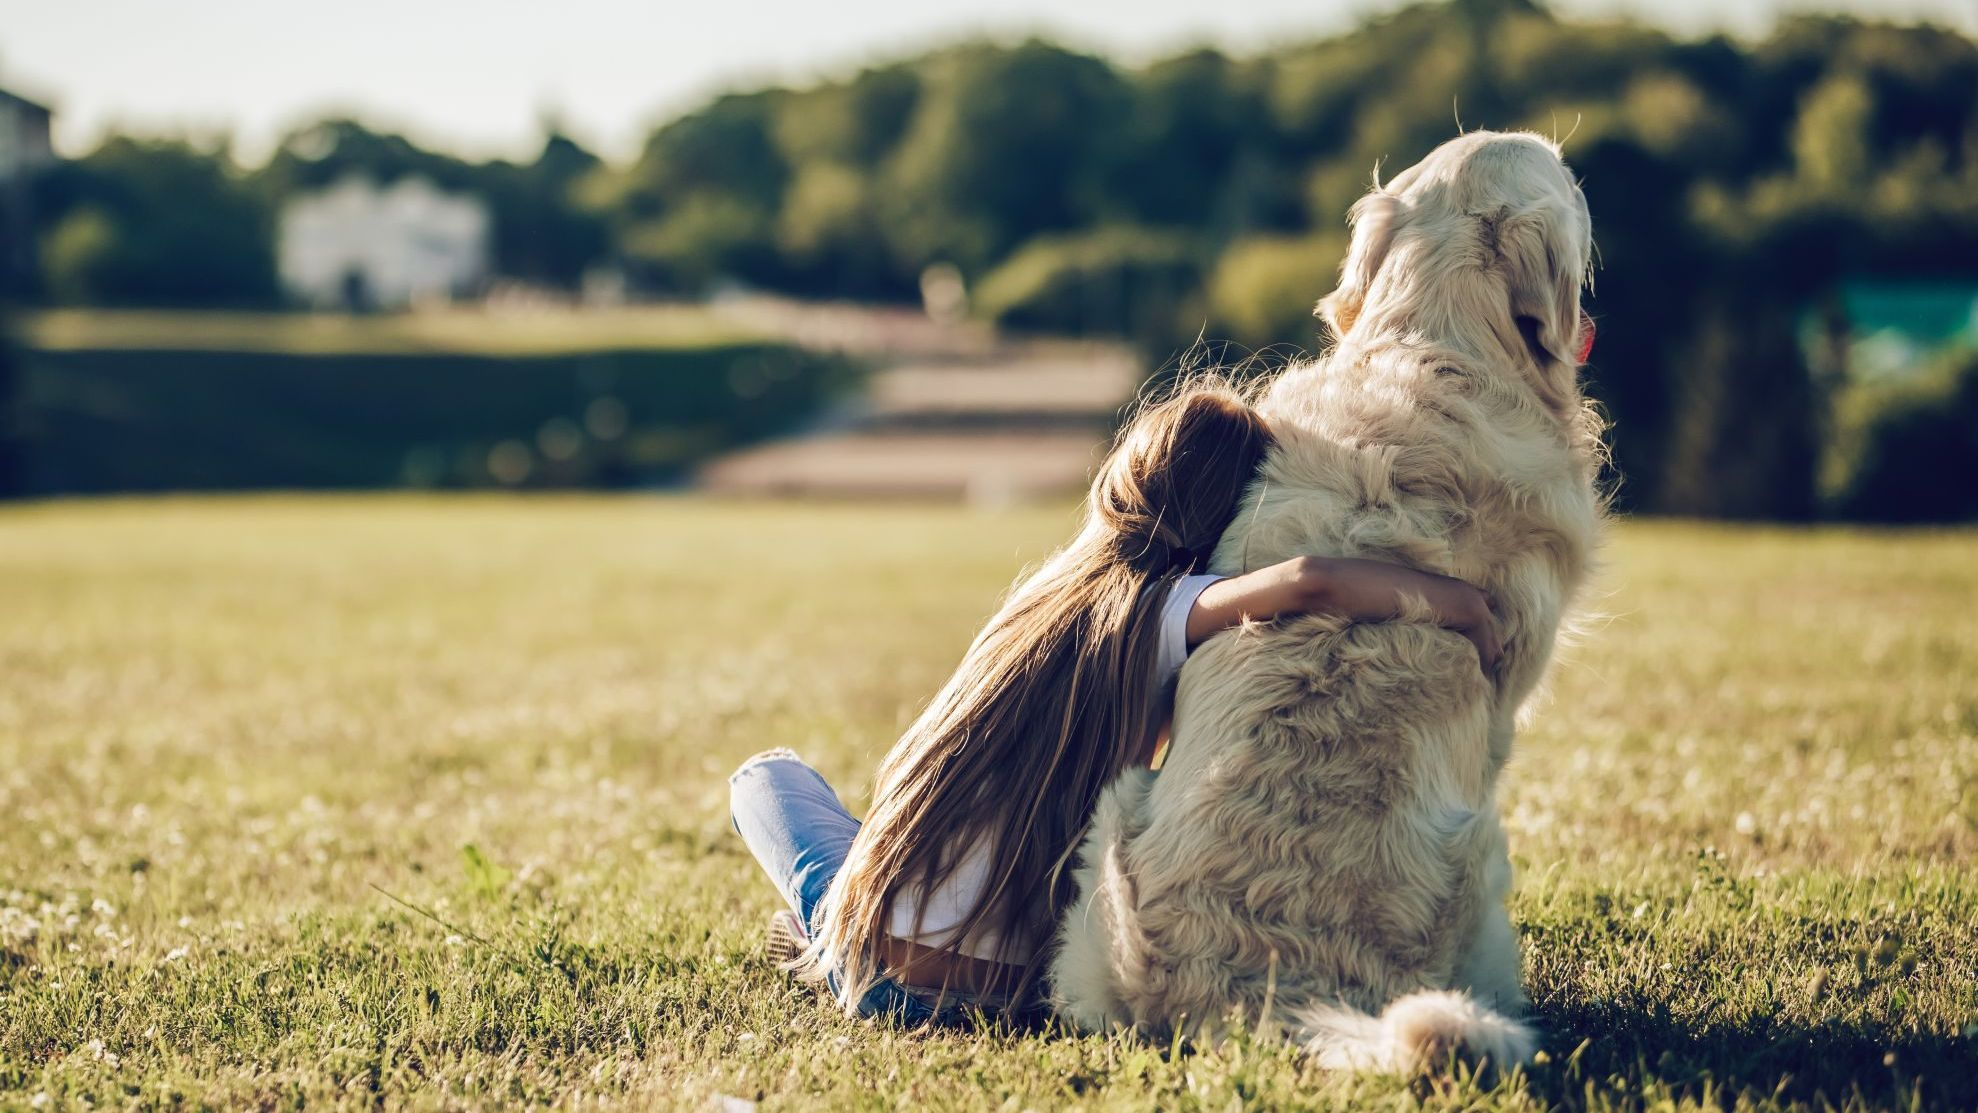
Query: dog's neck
[
  {"x": 1440, "y": 295},
  {"x": 1438, "y": 338},
  {"x": 1445, "y": 296}
]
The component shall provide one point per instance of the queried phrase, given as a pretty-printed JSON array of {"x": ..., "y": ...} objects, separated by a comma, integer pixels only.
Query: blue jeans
[{"x": 796, "y": 828}]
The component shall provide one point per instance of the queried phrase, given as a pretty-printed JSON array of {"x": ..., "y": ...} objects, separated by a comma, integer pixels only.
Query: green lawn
[
  {"x": 450, "y": 331},
  {"x": 1746, "y": 821}
]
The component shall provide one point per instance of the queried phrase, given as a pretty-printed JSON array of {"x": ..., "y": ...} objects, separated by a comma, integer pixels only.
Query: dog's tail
[{"x": 1421, "y": 1031}]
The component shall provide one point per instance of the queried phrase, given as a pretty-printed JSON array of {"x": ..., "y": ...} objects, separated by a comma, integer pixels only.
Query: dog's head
[{"x": 1483, "y": 243}]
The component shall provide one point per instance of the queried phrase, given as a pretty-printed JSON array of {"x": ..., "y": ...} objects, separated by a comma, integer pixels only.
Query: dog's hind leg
[
  {"x": 1490, "y": 966},
  {"x": 1101, "y": 953}
]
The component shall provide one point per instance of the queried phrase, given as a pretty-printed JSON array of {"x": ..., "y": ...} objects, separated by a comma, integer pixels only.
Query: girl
[{"x": 947, "y": 896}]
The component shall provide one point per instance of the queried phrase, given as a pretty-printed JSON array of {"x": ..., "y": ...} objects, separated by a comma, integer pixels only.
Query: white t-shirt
[{"x": 948, "y": 903}]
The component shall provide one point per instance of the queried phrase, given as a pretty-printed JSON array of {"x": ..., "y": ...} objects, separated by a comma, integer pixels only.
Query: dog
[{"x": 1321, "y": 851}]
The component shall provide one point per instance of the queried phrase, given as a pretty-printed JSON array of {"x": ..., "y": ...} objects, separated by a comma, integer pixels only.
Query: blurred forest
[{"x": 1736, "y": 187}]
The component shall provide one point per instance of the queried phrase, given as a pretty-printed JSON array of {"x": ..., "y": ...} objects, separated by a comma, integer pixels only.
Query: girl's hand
[{"x": 1362, "y": 590}]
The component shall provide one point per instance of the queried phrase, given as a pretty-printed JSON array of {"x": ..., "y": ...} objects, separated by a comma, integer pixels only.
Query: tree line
[{"x": 1735, "y": 187}]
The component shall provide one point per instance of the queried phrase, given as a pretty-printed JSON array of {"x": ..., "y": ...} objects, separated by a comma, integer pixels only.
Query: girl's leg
[
  {"x": 794, "y": 825},
  {"x": 796, "y": 828}
]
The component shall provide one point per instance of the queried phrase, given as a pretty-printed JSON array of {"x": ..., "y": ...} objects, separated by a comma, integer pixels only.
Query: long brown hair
[{"x": 1052, "y": 700}]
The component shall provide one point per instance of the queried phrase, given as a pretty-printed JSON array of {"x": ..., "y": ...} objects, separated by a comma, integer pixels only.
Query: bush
[
  {"x": 159, "y": 223},
  {"x": 1119, "y": 281},
  {"x": 704, "y": 239},
  {"x": 12, "y": 477},
  {"x": 137, "y": 419},
  {"x": 77, "y": 254},
  {"x": 1907, "y": 452},
  {"x": 1263, "y": 290}
]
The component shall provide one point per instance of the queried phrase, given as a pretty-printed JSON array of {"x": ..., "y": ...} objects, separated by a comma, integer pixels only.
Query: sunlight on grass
[
  {"x": 459, "y": 331},
  {"x": 1745, "y": 820}
]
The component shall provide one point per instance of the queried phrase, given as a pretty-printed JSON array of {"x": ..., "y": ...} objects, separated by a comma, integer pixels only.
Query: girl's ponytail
[{"x": 1172, "y": 483}]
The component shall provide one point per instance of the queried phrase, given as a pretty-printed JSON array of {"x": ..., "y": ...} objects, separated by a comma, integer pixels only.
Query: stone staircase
[{"x": 945, "y": 416}]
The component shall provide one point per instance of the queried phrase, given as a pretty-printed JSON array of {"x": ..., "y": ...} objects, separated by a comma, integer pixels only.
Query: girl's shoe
[{"x": 787, "y": 939}]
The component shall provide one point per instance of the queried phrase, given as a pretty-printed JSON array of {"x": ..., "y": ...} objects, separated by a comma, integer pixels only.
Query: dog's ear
[
  {"x": 1542, "y": 250},
  {"x": 1373, "y": 219}
]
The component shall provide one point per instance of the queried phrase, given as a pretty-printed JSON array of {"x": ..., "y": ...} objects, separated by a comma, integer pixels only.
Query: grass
[
  {"x": 242, "y": 737},
  {"x": 525, "y": 332}
]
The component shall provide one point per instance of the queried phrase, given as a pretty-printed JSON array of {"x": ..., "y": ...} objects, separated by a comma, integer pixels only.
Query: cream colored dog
[{"x": 1322, "y": 844}]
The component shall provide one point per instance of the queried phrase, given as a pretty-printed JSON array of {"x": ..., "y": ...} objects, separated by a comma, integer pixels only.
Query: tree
[
  {"x": 156, "y": 222},
  {"x": 701, "y": 201},
  {"x": 542, "y": 230},
  {"x": 1733, "y": 186},
  {"x": 1831, "y": 144},
  {"x": 1005, "y": 143}
]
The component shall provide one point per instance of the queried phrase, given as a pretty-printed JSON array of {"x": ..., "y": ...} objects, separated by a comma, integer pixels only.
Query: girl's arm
[{"x": 1362, "y": 590}]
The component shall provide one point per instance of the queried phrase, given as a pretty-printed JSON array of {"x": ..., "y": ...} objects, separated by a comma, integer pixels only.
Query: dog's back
[{"x": 1323, "y": 844}]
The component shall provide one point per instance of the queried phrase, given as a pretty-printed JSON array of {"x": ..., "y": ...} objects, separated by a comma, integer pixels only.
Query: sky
[{"x": 479, "y": 77}]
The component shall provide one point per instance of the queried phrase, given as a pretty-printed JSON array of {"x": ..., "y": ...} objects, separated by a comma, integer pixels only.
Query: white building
[
  {"x": 24, "y": 149},
  {"x": 24, "y": 143},
  {"x": 358, "y": 246}
]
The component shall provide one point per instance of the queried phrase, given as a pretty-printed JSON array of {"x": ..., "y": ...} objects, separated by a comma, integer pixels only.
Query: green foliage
[
  {"x": 486, "y": 878},
  {"x": 1733, "y": 185},
  {"x": 13, "y": 463},
  {"x": 1831, "y": 138},
  {"x": 1118, "y": 280},
  {"x": 1261, "y": 290},
  {"x": 1743, "y": 823},
  {"x": 704, "y": 237},
  {"x": 1191, "y": 117},
  {"x": 155, "y": 222},
  {"x": 135, "y": 418},
  {"x": 1005, "y": 143},
  {"x": 829, "y": 210},
  {"x": 543, "y": 232},
  {"x": 79, "y": 254},
  {"x": 701, "y": 201},
  {"x": 855, "y": 124},
  {"x": 328, "y": 151},
  {"x": 1907, "y": 451},
  {"x": 728, "y": 148}
]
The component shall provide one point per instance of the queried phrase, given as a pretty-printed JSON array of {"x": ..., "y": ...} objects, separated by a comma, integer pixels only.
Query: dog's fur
[{"x": 1322, "y": 844}]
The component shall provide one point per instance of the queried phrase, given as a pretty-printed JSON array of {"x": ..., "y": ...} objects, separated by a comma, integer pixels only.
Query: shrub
[
  {"x": 1907, "y": 452},
  {"x": 77, "y": 255},
  {"x": 158, "y": 419},
  {"x": 705, "y": 238},
  {"x": 1262, "y": 290},
  {"x": 1117, "y": 281},
  {"x": 155, "y": 222}
]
